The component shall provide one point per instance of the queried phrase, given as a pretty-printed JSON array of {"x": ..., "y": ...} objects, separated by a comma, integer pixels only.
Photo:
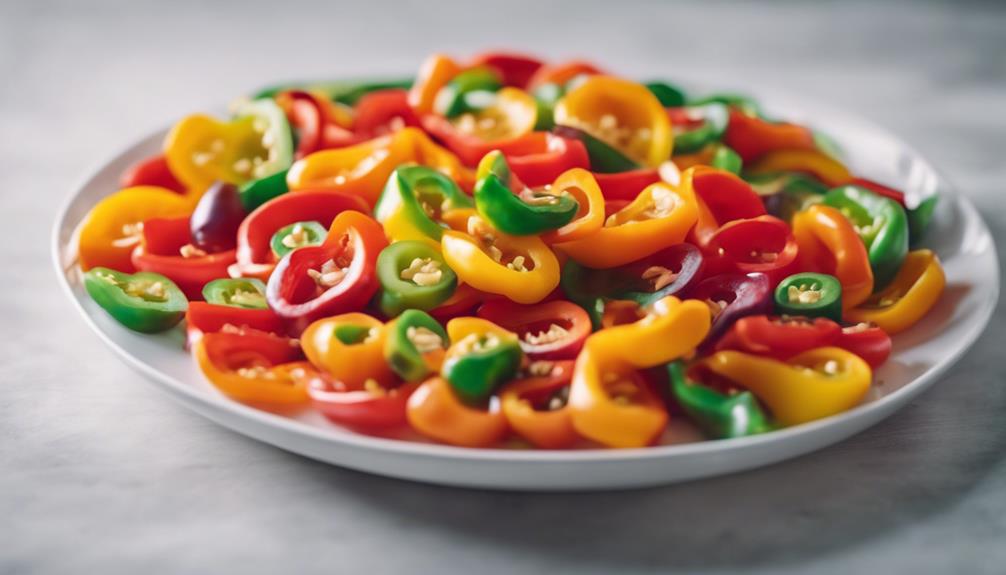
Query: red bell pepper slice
[
  {"x": 879, "y": 189},
  {"x": 315, "y": 129},
  {"x": 336, "y": 277},
  {"x": 152, "y": 171},
  {"x": 202, "y": 318},
  {"x": 626, "y": 185},
  {"x": 723, "y": 198},
  {"x": 383, "y": 112},
  {"x": 464, "y": 300},
  {"x": 764, "y": 244},
  {"x": 372, "y": 411},
  {"x": 753, "y": 137},
  {"x": 731, "y": 297},
  {"x": 779, "y": 337},
  {"x": 470, "y": 148},
  {"x": 514, "y": 69},
  {"x": 160, "y": 251},
  {"x": 254, "y": 253},
  {"x": 551, "y": 330},
  {"x": 551, "y": 156},
  {"x": 867, "y": 341}
]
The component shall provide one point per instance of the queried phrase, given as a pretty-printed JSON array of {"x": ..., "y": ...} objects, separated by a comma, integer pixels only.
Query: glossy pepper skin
[
  {"x": 257, "y": 192},
  {"x": 413, "y": 275},
  {"x": 164, "y": 249},
  {"x": 481, "y": 357},
  {"x": 709, "y": 122},
  {"x": 452, "y": 99},
  {"x": 580, "y": 185},
  {"x": 548, "y": 330},
  {"x": 763, "y": 244},
  {"x": 143, "y": 302},
  {"x": 780, "y": 337},
  {"x": 350, "y": 348},
  {"x": 731, "y": 297},
  {"x": 867, "y": 341},
  {"x": 815, "y": 384},
  {"x": 545, "y": 158},
  {"x": 810, "y": 294},
  {"x": 718, "y": 415},
  {"x": 910, "y": 295},
  {"x": 658, "y": 218},
  {"x": 435, "y": 411},
  {"x": 604, "y": 158},
  {"x": 721, "y": 198},
  {"x": 204, "y": 317},
  {"x": 525, "y": 212},
  {"x": 641, "y": 129},
  {"x": 152, "y": 171},
  {"x": 829, "y": 244},
  {"x": 504, "y": 124},
  {"x": 535, "y": 408},
  {"x": 473, "y": 257},
  {"x": 824, "y": 167},
  {"x": 299, "y": 291},
  {"x": 882, "y": 225},
  {"x": 372, "y": 410},
  {"x": 415, "y": 345},
  {"x": 255, "y": 368},
  {"x": 513, "y": 69},
  {"x": 297, "y": 235},
  {"x": 415, "y": 201},
  {"x": 247, "y": 293},
  {"x": 114, "y": 226},
  {"x": 752, "y": 137}
]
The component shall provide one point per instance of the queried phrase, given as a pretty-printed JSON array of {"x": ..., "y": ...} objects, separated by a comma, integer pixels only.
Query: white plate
[{"x": 921, "y": 355}]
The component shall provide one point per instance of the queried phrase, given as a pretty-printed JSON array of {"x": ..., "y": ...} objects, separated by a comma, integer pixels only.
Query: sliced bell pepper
[
  {"x": 780, "y": 337},
  {"x": 812, "y": 385},
  {"x": 436, "y": 71},
  {"x": 724, "y": 158},
  {"x": 114, "y": 226},
  {"x": 824, "y": 167},
  {"x": 523, "y": 269},
  {"x": 166, "y": 248},
  {"x": 255, "y": 256},
  {"x": 562, "y": 73},
  {"x": 204, "y": 317},
  {"x": 911, "y": 294},
  {"x": 829, "y": 244},
  {"x": 414, "y": 203},
  {"x": 201, "y": 150},
  {"x": 350, "y": 348},
  {"x": 462, "y": 303},
  {"x": 256, "y": 368},
  {"x": 589, "y": 218},
  {"x": 810, "y": 294},
  {"x": 257, "y": 192},
  {"x": 297, "y": 235},
  {"x": 659, "y": 217},
  {"x": 369, "y": 409},
  {"x": 678, "y": 325},
  {"x": 536, "y": 405},
  {"x": 513, "y": 69},
  {"x": 621, "y": 113},
  {"x": 526, "y": 212},
  {"x": 731, "y": 297},
  {"x": 248, "y": 293},
  {"x": 415, "y": 345},
  {"x": 144, "y": 302},
  {"x": 545, "y": 158},
  {"x": 383, "y": 112},
  {"x": 346, "y": 92},
  {"x": 695, "y": 127},
  {"x": 214, "y": 223},
  {"x": 867, "y": 341},
  {"x": 721, "y": 197},
  {"x": 504, "y": 124},
  {"x": 152, "y": 171},
  {"x": 467, "y": 92},
  {"x": 752, "y": 137},
  {"x": 548, "y": 330},
  {"x": 882, "y": 225},
  {"x": 763, "y": 244},
  {"x": 786, "y": 194},
  {"x": 309, "y": 116},
  {"x": 413, "y": 275},
  {"x": 718, "y": 415},
  {"x": 435, "y": 411},
  {"x": 481, "y": 357},
  {"x": 669, "y": 95},
  {"x": 626, "y": 185},
  {"x": 338, "y": 276},
  {"x": 603, "y": 157}
]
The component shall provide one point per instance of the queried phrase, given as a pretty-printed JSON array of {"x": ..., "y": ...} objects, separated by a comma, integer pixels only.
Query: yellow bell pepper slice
[
  {"x": 624, "y": 114},
  {"x": 913, "y": 292},
  {"x": 812, "y": 385},
  {"x": 521, "y": 268},
  {"x": 678, "y": 326},
  {"x": 827, "y": 169},
  {"x": 511, "y": 114},
  {"x": 350, "y": 348}
]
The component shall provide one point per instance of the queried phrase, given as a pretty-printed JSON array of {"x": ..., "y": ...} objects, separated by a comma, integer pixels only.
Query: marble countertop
[{"x": 99, "y": 472}]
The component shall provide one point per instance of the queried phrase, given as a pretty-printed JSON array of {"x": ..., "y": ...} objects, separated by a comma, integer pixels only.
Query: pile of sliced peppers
[{"x": 504, "y": 252}]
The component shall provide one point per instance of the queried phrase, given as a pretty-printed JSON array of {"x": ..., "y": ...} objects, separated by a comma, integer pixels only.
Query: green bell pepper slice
[
  {"x": 418, "y": 195},
  {"x": 528, "y": 213},
  {"x": 413, "y": 335},
  {"x": 297, "y": 235},
  {"x": 257, "y": 192},
  {"x": 469, "y": 91},
  {"x": 248, "y": 293},
  {"x": 919, "y": 218},
  {"x": 277, "y": 136},
  {"x": 144, "y": 301},
  {"x": 413, "y": 275},
  {"x": 810, "y": 294},
  {"x": 882, "y": 225},
  {"x": 718, "y": 415},
  {"x": 487, "y": 363},
  {"x": 545, "y": 97},
  {"x": 715, "y": 117},
  {"x": 346, "y": 92},
  {"x": 604, "y": 158},
  {"x": 670, "y": 96},
  {"x": 725, "y": 158}
]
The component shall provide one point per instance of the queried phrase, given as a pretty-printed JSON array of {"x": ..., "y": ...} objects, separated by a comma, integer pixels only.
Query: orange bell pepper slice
[
  {"x": 908, "y": 298},
  {"x": 535, "y": 408},
  {"x": 350, "y": 348},
  {"x": 253, "y": 367},
  {"x": 436, "y": 412},
  {"x": 827, "y": 243},
  {"x": 434, "y": 74},
  {"x": 581, "y": 185}
]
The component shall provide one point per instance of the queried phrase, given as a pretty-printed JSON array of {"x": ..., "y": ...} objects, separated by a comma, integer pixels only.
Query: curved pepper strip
[
  {"x": 721, "y": 198},
  {"x": 604, "y": 157},
  {"x": 255, "y": 257},
  {"x": 731, "y": 297},
  {"x": 350, "y": 348},
  {"x": 336, "y": 277},
  {"x": 780, "y": 337},
  {"x": 756, "y": 245},
  {"x": 202, "y": 318},
  {"x": 562, "y": 73},
  {"x": 910, "y": 295},
  {"x": 383, "y": 112},
  {"x": 535, "y": 406},
  {"x": 413, "y": 275},
  {"x": 308, "y": 115},
  {"x": 621, "y": 113},
  {"x": 344, "y": 92},
  {"x": 114, "y": 226},
  {"x": 152, "y": 171},
  {"x": 372, "y": 410},
  {"x": 415, "y": 345},
  {"x": 414, "y": 203},
  {"x": 525, "y": 270},
  {"x": 589, "y": 217},
  {"x": 867, "y": 341},
  {"x": 481, "y": 357},
  {"x": 453, "y": 99},
  {"x": 786, "y": 194},
  {"x": 436, "y": 71},
  {"x": 165, "y": 249},
  {"x": 548, "y": 330},
  {"x": 718, "y": 415},
  {"x": 626, "y": 185},
  {"x": 810, "y": 294},
  {"x": 695, "y": 127},
  {"x": 513, "y": 69},
  {"x": 824, "y": 167},
  {"x": 882, "y": 225},
  {"x": 659, "y": 217},
  {"x": 752, "y": 138},
  {"x": 527, "y": 212},
  {"x": 255, "y": 368},
  {"x": 462, "y": 303},
  {"x": 144, "y": 302},
  {"x": 812, "y": 385},
  {"x": 201, "y": 150},
  {"x": 435, "y": 411},
  {"x": 545, "y": 158},
  {"x": 829, "y": 244}
]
